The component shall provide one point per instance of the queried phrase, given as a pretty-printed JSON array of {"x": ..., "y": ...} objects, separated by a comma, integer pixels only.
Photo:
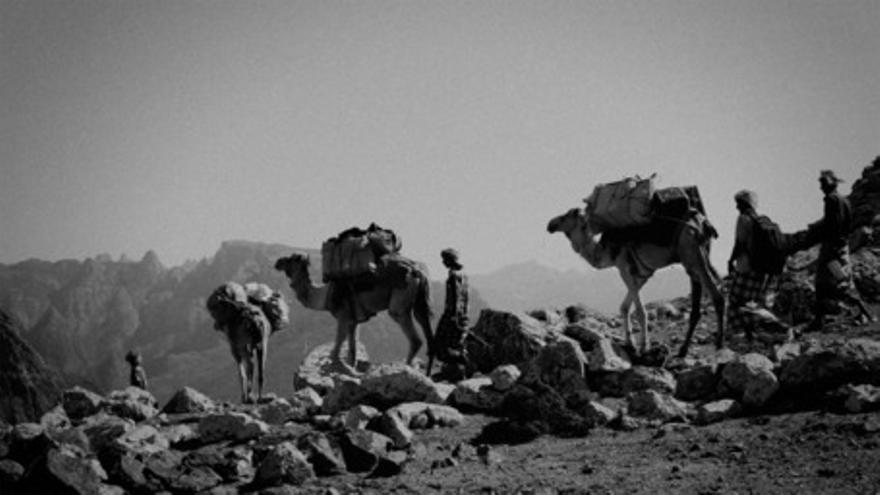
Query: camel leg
[
  {"x": 422, "y": 314},
  {"x": 642, "y": 319},
  {"x": 706, "y": 275},
  {"x": 242, "y": 378},
  {"x": 352, "y": 345},
  {"x": 249, "y": 370},
  {"x": 343, "y": 329},
  {"x": 696, "y": 297},
  {"x": 404, "y": 319},
  {"x": 625, "y": 308},
  {"x": 261, "y": 367}
]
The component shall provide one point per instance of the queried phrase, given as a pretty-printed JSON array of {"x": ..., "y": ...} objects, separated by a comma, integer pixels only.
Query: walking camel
[
  {"x": 247, "y": 328},
  {"x": 638, "y": 252},
  {"x": 401, "y": 287}
]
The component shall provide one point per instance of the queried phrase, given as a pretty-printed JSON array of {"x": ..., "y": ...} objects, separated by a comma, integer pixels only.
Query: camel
[
  {"x": 636, "y": 257},
  {"x": 247, "y": 327},
  {"x": 401, "y": 287}
]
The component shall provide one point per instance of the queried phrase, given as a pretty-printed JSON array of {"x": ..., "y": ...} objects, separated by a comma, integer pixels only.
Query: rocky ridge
[{"x": 565, "y": 375}]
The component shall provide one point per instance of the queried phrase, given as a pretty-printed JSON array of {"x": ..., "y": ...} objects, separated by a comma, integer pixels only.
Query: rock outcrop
[{"x": 29, "y": 387}]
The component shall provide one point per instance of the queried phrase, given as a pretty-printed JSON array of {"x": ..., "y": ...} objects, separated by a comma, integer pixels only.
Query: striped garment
[{"x": 744, "y": 288}]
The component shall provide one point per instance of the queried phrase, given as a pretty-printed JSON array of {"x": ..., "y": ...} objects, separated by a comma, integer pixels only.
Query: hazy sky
[{"x": 174, "y": 125}]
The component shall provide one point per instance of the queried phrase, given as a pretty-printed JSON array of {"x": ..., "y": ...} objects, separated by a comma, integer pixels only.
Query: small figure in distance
[{"x": 137, "y": 376}]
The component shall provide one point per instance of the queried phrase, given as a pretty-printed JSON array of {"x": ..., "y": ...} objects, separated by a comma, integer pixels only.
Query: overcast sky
[{"x": 175, "y": 125}]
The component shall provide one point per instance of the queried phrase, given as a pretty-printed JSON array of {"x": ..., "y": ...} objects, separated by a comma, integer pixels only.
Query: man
[
  {"x": 452, "y": 327},
  {"x": 137, "y": 376},
  {"x": 833, "y": 281},
  {"x": 751, "y": 288}
]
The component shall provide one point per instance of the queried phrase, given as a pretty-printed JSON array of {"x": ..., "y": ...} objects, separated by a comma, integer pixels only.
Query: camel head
[
  {"x": 293, "y": 265},
  {"x": 568, "y": 222}
]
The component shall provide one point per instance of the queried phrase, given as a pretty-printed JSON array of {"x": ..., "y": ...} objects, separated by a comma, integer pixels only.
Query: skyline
[{"x": 174, "y": 126}]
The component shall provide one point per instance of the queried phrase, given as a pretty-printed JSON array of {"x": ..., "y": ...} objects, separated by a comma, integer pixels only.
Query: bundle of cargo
[
  {"x": 625, "y": 203},
  {"x": 227, "y": 303},
  {"x": 675, "y": 202},
  {"x": 634, "y": 202},
  {"x": 355, "y": 253}
]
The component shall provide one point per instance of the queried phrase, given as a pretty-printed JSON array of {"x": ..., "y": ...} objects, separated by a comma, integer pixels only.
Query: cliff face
[
  {"x": 28, "y": 388},
  {"x": 865, "y": 194},
  {"x": 83, "y": 316}
]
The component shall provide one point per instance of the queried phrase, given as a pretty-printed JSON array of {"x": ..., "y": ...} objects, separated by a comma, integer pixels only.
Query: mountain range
[{"x": 530, "y": 285}]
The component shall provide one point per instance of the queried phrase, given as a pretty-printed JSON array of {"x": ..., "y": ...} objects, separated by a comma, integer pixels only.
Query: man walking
[
  {"x": 751, "y": 284},
  {"x": 833, "y": 281},
  {"x": 452, "y": 327}
]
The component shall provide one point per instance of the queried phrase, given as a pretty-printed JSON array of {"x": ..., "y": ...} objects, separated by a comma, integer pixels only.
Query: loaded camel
[
  {"x": 640, "y": 251},
  {"x": 401, "y": 287},
  {"x": 247, "y": 324}
]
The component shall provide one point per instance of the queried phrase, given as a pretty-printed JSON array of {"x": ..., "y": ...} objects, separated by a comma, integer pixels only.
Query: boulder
[
  {"x": 545, "y": 409},
  {"x": 604, "y": 357},
  {"x": 559, "y": 364},
  {"x": 231, "y": 464},
  {"x": 179, "y": 434},
  {"x": 861, "y": 398},
  {"x": 477, "y": 394},
  {"x": 345, "y": 393},
  {"x": 69, "y": 467},
  {"x": 825, "y": 368},
  {"x": 55, "y": 419},
  {"x": 143, "y": 439},
  {"x": 28, "y": 442},
  {"x": 749, "y": 379},
  {"x": 358, "y": 417},
  {"x": 634, "y": 379},
  {"x": 597, "y": 413},
  {"x": 719, "y": 410},
  {"x": 424, "y": 415},
  {"x": 317, "y": 370},
  {"x": 391, "y": 384},
  {"x": 866, "y": 273},
  {"x": 11, "y": 472},
  {"x": 284, "y": 465},
  {"x": 697, "y": 383},
  {"x": 383, "y": 386},
  {"x": 194, "y": 479},
  {"x": 324, "y": 456},
  {"x": 133, "y": 403},
  {"x": 362, "y": 449},
  {"x": 309, "y": 399},
  {"x": 653, "y": 405},
  {"x": 103, "y": 429},
  {"x": 504, "y": 376},
  {"x": 501, "y": 337},
  {"x": 394, "y": 427},
  {"x": 230, "y": 426},
  {"x": 79, "y": 402},
  {"x": 279, "y": 411},
  {"x": 188, "y": 400}
]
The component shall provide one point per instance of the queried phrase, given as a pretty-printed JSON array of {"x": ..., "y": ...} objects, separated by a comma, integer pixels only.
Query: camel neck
[{"x": 306, "y": 292}]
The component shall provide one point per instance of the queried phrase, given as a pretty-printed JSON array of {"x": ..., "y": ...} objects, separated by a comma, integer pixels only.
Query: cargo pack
[
  {"x": 355, "y": 253},
  {"x": 625, "y": 203}
]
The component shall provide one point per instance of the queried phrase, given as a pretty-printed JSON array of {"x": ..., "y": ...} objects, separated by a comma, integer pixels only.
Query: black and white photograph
[{"x": 439, "y": 246}]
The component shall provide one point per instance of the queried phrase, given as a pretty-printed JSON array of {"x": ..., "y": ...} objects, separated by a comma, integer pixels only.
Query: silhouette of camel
[
  {"x": 640, "y": 251},
  {"x": 401, "y": 287}
]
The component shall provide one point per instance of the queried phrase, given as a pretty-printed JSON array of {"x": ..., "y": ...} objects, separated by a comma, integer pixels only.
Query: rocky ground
[{"x": 561, "y": 408}]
